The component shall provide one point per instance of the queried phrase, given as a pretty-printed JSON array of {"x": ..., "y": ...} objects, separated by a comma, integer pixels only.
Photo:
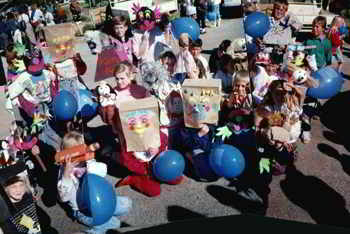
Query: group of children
[{"x": 262, "y": 108}]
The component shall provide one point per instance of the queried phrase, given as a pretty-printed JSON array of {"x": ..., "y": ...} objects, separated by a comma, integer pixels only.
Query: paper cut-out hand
[
  {"x": 224, "y": 132},
  {"x": 264, "y": 164}
]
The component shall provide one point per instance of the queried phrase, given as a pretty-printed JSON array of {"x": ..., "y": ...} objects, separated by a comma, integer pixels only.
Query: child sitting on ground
[
  {"x": 24, "y": 218},
  {"x": 70, "y": 176}
]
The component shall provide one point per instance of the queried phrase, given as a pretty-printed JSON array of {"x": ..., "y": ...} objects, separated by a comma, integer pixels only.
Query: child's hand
[
  {"x": 204, "y": 129},
  {"x": 35, "y": 150},
  {"x": 68, "y": 169},
  {"x": 153, "y": 151}
]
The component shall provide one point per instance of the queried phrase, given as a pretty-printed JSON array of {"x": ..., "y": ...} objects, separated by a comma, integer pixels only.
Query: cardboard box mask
[
  {"x": 61, "y": 41},
  {"x": 201, "y": 101},
  {"x": 140, "y": 124}
]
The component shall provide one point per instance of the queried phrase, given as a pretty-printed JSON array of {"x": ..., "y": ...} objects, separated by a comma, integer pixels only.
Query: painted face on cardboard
[
  {"x": 139, "y": 123},
  {"x": 16, "y": 191}
]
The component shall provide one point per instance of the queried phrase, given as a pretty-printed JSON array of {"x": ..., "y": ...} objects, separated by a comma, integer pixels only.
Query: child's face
[
  {"x": 279, "y": 11},
  {"x": 122, "y": 79},
  {"x": 317, "y": 30},
  {"x": 120, "y": 30},
  {"x": 271, "y": 69},
  {"x": 240, "y": 87},
  {"x": 195, "y": 51},
  {"x": 16, "y": 191},
  {"x": 169, "y": 63},
  {"x": 251, "y": 7}
]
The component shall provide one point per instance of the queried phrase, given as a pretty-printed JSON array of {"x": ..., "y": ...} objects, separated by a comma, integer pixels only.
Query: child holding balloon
[{"x": 70, "y": 176}]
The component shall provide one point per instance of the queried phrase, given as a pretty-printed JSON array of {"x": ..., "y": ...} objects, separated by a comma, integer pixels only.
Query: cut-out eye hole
[{"x": 144, "y": 118}]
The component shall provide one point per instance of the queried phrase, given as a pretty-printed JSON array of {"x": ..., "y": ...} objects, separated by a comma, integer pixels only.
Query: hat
[{"x": 191, "y": 10}]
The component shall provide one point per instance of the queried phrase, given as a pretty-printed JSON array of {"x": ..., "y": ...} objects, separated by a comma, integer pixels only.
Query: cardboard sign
[
  {"x": 67, "y": 69},
  {"x": 201, "y": 101},
  {"x": 61, "y": 41},
  {"x": 140, "y": 124},
  {"x": 106, "y": 62}
]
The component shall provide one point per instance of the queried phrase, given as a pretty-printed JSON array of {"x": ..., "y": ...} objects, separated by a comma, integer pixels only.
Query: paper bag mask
[
  {"x": 201, "y": 101},
  {"x": 61, "y": 41},
  {"x": 140, "y": 124}
]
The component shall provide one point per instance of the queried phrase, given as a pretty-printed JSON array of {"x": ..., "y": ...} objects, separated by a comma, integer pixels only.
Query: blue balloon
[
  {"x": 343, "y": 30},
  {"x": 87, "y": 108},
  {"x": 185, "y": 25},
  {"x": 65, "y": 106},
  {"x": 331, "y": 82},
  {"x": 96, "y": 198},
  {"x": 211, "y": 16},
  {"x": 227, "y": 161},
  {"x": 168, "y": 166},
  {"x": 256, "y": 24}
]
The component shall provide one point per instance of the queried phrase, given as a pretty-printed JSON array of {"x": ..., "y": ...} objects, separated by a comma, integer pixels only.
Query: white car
[{"x": 231, "y": 3}]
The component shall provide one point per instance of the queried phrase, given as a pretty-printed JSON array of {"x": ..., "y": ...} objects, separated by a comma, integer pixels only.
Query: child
[
  {"x": 302, "y": 80},
  {"x": 168, "y": 59},
  {"x": 337, "y": 40},
  {"x": 283, "y": 99},
  {"x": 323, "y": 50},
  {"x": 282, "y": 24},
  {"x": 195, "y": 49},
  {"x": 214, "y": 59},
  {"x": 202, "y": 8},
  {"x": 226, "y": 73},
  {"x": 70, "y": 175},
  {"x": 23, "y": 207},
  {"x": 122, "y": 38},
  {"x": 185, "y": 64},
  {"x": 140, "y": 163},
  {"x": 238, "y": 107},
  {"x": 126, "y": 91}
]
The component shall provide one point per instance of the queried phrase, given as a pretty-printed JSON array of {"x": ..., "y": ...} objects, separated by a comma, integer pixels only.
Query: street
[{"x": 319, "y": 192}]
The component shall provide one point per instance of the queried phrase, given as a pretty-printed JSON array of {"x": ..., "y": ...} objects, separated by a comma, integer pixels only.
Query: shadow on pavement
[
  {"x": 231, "y": 198},
  {"x": 178, "y": 213},
  {"x": 323, "y": 203},
  {"x": 343, "y": 159},
  {"x": 334, "y": 118}
]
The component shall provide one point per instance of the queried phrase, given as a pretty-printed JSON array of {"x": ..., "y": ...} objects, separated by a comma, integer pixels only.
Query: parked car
[{"x": 231, "y": 9}]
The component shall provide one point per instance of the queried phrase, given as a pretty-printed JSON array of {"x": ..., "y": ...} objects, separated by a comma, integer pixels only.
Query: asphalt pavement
[{"x": 318, "y": 192}]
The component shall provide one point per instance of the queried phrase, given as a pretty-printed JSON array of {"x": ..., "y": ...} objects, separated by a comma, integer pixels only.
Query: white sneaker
[
  {"x": 202, "y": 30},
  {"x": 306, "y": 137}
]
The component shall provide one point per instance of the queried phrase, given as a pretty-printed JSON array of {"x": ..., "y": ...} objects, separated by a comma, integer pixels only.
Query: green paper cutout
[
  {"x": 264, "y": 164},
  {"x": 224, "y": 132}
]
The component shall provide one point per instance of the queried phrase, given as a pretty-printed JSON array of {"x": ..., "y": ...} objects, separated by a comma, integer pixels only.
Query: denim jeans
[
  {"x": 216, "y": 9},
  {"x": 122, "y": 208}
]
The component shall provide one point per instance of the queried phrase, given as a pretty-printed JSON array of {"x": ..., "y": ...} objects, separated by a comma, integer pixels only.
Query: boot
[{"x": 144, "y": 184}]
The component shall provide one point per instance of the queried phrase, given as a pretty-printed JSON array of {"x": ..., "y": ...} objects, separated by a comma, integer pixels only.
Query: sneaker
[
  {"x": 306, "y": 137},
  {"x": 202, "y": 30}
]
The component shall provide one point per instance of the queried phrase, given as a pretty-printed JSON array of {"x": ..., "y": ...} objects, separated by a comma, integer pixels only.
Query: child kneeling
[{"x": 70, "y": 176}]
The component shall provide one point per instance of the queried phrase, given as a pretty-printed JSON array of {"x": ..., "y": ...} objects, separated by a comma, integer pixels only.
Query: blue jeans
[
  {"x": 122, "y": 207},
  {"x": 216, "y": 9}
]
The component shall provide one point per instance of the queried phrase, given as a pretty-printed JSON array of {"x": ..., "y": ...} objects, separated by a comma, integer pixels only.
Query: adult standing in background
[{"x": 36, "y": 18}]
